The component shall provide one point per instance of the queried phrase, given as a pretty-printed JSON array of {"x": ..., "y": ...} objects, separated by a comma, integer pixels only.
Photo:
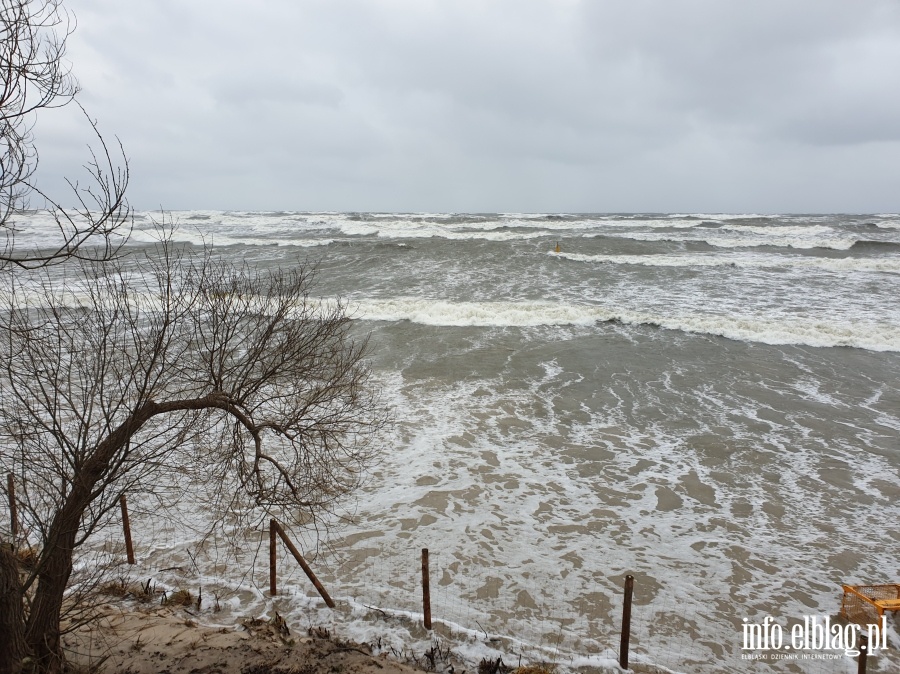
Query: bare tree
[
  {"x": 34, "y": 77},
  {"x": 123, "y": 376}
]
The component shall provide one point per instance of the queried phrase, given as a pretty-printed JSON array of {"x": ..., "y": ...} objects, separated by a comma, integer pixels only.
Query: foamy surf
[
  {"x": 841, "y": 265},
  {"x": 197, "y": 237},
  {"x": 652, "y": 406},
  {"x": 729, "y": 239},
  {"x": 870, "y": 335}
]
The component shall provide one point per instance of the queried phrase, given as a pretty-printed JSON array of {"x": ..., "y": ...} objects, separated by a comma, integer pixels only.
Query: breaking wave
[
  {"x": 846, "y": 264},
  {"x": 732, "y": 238},
  {"x": 868, "y": 335}
]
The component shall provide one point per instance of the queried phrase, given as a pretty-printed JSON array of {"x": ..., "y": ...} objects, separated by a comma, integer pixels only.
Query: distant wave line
[
  {"x": 777, "y": 331},
  {"x": 845, "y": 264},
  {"x": 833, "y": 243},
  {"x": 189, "y": 235}
]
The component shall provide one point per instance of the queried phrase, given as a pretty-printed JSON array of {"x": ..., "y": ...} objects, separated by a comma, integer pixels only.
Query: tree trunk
[
  {"x": 42, "y": 632},
  {"x": 12, "y": 615}
]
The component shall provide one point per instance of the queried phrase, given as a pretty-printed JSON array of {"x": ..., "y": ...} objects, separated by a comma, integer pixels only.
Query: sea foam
[
  {"x": 818, "y": 332},
  {"x": 847, "y": 264}
]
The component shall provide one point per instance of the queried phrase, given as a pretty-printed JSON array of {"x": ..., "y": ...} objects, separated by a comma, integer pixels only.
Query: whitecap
[
  {"x": 870, "y": 335},
  {"x": 722, "y": 240},
  {"x": 842, "y": 265}
]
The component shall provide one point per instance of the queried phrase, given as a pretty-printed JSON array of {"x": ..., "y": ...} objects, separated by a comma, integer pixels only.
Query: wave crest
[{"x": 767, "y": 330}]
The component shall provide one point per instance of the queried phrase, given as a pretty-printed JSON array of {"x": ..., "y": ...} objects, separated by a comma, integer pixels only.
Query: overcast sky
[{"x": 491, "y": 105}]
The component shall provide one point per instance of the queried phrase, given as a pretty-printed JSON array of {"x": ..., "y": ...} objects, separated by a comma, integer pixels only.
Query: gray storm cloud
[{"x": 553, "y": 105}]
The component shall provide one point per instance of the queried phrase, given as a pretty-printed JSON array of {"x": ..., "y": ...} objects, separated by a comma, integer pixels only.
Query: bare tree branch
[
  {"x": 175, "y": 365},
  {"x": 33, "y": 77}
]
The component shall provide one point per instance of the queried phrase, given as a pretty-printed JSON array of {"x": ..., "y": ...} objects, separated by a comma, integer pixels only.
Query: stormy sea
[{"x": 706, "y": 402}]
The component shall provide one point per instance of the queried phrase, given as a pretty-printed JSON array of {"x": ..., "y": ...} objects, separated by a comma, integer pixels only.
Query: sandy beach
[{"x": 150, "y": 640}]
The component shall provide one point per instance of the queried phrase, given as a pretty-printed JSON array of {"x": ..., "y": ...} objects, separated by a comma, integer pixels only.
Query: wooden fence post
[
  {"x": 426, "y": 589},
  {"x": 273, "y": 589},
  {"x": 13, "y": 515},
  {"x": 626, "y": 622},
  {"x": 126, "y": 527},
  {"x": 303, "y": 565}
]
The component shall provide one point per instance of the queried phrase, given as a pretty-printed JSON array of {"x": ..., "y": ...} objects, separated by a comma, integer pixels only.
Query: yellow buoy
[{"x": 557, "y": 247}]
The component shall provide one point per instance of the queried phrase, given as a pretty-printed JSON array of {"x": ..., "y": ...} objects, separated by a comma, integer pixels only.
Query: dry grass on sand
[{"x": 164, "y": 639}]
